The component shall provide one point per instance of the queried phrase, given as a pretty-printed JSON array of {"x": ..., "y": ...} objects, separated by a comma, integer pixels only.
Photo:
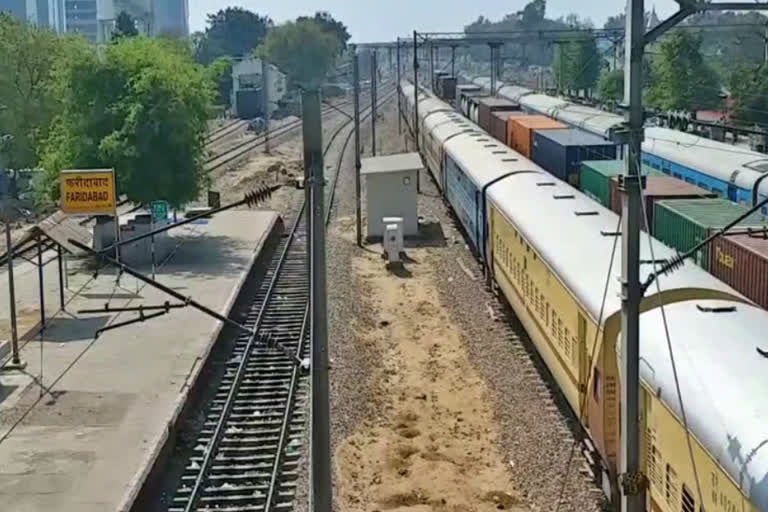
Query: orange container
[{"x": 520, "y": 131}]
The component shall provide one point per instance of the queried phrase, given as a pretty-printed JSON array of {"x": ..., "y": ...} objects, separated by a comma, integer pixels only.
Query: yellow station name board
[{"x": 88, "y": 191}]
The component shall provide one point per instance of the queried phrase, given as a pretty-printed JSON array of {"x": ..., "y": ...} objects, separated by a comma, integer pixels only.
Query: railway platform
[{"x": 86, "y": 439}]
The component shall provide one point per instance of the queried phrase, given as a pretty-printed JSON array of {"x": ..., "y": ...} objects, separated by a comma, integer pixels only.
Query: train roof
[
  {"x": 561, "y": 222},
  {"x": 714, "y": 158},
  {"x": 577, "y": 246},
  {"x": 722, "y": 381},
  {"x": 486, "y": 157},
  {"x": 722, "y": 377}
]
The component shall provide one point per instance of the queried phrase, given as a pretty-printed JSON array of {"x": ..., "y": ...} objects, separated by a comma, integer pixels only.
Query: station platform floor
[{"x": 82, "y": 424}]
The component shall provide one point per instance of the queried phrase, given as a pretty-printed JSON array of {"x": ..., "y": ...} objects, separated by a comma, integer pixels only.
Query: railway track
[
  {"x": 247, "y": 451},
  {"x": 232, "y": 154}
]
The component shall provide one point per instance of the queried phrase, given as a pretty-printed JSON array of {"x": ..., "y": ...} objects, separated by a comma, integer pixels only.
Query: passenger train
[
  {"x": 548, "y": 249},
  {"x": 729, "y": 171}
]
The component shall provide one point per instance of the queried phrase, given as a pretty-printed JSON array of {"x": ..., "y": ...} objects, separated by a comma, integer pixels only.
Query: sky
[{"x": 384, "y": 20}]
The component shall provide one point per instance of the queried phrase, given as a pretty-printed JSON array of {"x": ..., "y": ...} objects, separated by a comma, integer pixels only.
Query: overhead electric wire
[
  {"x": 583, "y": 403},
  {"x": 672, "y": 354}
]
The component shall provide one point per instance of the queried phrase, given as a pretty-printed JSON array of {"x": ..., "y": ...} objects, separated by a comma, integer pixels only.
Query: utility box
[{"x": 391, "y": 191}]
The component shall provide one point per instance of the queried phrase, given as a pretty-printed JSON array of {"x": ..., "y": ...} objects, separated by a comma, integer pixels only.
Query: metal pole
[
  {"x": 493, "y": 70},
  {"x": 399, "y": 100},
  {"x": 321, "y": 447},
  {"x": 60, "y": 258},
  {"x": 632, "y": 496},
  {"x": 15, "y": 357},
  {"x": 453, "y": 60},
  {"x": 416, "y": 103},
  {"x": 265, "y": 89},
  {"x": 431, "y": 66},
  {"x": 40, "y": 282},
  {"x": 373, "y": 102},
  {"x": 356, "y": 87}
]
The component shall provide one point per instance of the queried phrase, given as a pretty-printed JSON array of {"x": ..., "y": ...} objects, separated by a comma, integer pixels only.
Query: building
[
  {"x": 170, "y": 18},
  {"x": 247, "y": 84},
  {"x": 153, "y": 18},
  {"x": 95, "y": 19},
  {"x": 80, "y": 17},
  {"x": 45, "y": 13}
]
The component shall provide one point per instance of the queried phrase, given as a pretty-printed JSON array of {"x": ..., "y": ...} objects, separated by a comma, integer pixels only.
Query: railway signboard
[
  {"x": 160, "y": 210},
  {"x": 88, "y": 191}
]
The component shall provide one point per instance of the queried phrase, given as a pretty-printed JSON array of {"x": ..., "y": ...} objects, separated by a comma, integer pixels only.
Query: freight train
[
  {"x": 555, "y": 255},
  {"x": 729, "y": 171}
]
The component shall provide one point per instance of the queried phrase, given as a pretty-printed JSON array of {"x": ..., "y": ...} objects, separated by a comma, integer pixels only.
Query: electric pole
[
  {"x": 356, "y": 104},
  {"x": 632, "y": 496},
  {"x": 399, "y": 100},
  {"x": 322, "y": 499},
  {"x": 265, "y": 88},
  {"x": 632, "y": 482},
  {"x": 373, "y": 102}
]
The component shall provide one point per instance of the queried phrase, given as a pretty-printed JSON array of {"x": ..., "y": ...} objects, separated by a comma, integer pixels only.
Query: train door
[
  {"x": 584, "y": 363},
  {"x": 733, "y": 192}
]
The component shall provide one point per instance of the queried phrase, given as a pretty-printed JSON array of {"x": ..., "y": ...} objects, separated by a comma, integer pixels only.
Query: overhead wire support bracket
[
  {"x": 141, "y": 318},
  {"x": 167, "y": 306},
  {"x": 679, "y": 260},
  {"x": 251, "y": 199}
]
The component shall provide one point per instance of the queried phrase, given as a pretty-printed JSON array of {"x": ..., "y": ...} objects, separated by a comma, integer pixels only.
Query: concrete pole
[
  {"x": 632, "y": 496},
  {"x": 431, "y": 66},
  {"x": 493, "y": 69},
  {"x": 399, "y": 100},
  {"x": 373, "y": 102},
  {"x": 356, "y": 87},
  {"x": 60, "y": 258},
  {"x": 40, "y": 282},
  {"x": 322, "y": 499},
  {"x": 416, "y": 103},
  {"x": 265, "y": 94},
  {"x": 15, "y": 356}
]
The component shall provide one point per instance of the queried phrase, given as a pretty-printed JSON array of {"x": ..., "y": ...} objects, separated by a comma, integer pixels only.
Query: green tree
[
  {"x": 330, "y": 25},
  {"x": 125, "y": 26},
  {"x": 141, "y": 107},
  {"x": 302, "y": 50},
  {"x": 682, "y": 80},
  {"x": 28, "y": 58},
  {"x": 611, "y": 86},
  {"x": 749, "y": 90},
  {"x": 232, "y": 32},
  {"x": 220, "y": 73},
  {"x": 576, "y": 64},
  {"x": 533, "y": 13}
]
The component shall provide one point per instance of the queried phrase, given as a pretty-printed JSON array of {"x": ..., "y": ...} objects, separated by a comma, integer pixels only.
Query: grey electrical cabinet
[{"x": 390, "y": 183}]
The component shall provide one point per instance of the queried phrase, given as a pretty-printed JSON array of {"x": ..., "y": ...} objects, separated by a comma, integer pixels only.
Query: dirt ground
[{"x": 431, "y": 444}]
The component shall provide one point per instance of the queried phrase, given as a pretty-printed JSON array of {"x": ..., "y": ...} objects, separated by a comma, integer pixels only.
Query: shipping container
[
  {"x": 448, "y": 88},
  {"x": 520, "y": 131},
  {"x": 660, "y": 187},
  {"x": 436, "y": 78},
  {"x": 468, "y": 89},
  {"x": 499, "y": 123},
  {"x": 683, "y": 223},
  {"x": 595, "y": 178},
  {"x": 489, "y": 105},
  {"x": 561, "y": 151},
  {"x": 741, "y": 261}
]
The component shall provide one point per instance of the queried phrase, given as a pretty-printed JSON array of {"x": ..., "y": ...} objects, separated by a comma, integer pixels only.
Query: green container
[
  {"x": 683, "y": 223},
  {"x": 595, "y": 178}
]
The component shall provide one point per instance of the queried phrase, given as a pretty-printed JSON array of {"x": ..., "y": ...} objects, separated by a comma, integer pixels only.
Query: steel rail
[{"x": 212, "y": 446}]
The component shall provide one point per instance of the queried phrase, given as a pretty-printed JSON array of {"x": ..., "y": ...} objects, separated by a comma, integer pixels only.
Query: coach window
[
  {"x": 689, "y": 504},
  {"x": 596, "y": 384}
]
